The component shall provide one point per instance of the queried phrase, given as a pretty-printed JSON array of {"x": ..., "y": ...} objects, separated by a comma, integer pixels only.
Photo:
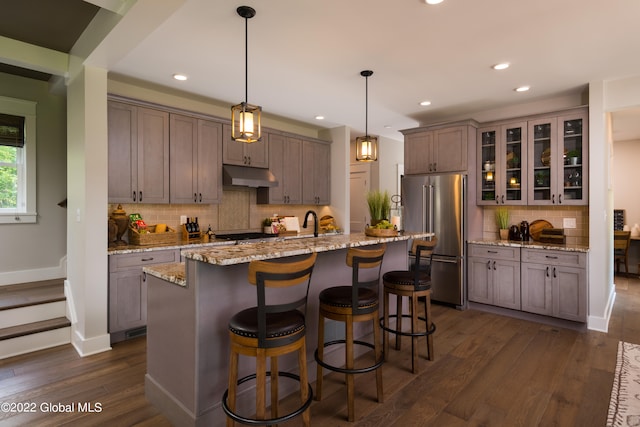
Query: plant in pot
[
  {"x": 266, "y": 225},
  {"x": 573, "y": 156},
  {"x": 502, "y": 220},
  {"x": 379, "y": 205}
]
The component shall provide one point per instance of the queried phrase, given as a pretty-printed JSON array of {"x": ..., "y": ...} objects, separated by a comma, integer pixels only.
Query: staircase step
[
  {"x": 34, "y": 328},
  {"x": 34, "y": 342},
  {"x": 33, "y": 293}
]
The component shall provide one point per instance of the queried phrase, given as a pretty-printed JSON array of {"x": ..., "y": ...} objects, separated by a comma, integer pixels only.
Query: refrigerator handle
[
  {"x": 431, "y": 219},
  {"x": 424, "y": 207}
]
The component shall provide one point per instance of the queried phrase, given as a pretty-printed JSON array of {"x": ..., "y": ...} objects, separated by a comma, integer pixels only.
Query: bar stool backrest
[
  {"x": 279, "y": 273},
  {"x": 357, "y": 259},
  {"x": 423, "y": 249}
]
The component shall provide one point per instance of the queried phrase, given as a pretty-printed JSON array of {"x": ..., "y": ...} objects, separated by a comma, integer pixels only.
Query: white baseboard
[
  {"x": 34, "y": 275},
  {"x": 601, "y": 324},
  {"x": 87, "y": 347}
]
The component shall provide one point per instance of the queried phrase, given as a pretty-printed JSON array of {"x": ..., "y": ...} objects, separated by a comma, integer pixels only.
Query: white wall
[
  {"x": 31, "y": 252},
  {"x": 625, "y": 174}
]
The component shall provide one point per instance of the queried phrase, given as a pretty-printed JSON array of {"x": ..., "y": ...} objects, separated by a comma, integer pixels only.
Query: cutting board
[{"x": 536, "y": 227}]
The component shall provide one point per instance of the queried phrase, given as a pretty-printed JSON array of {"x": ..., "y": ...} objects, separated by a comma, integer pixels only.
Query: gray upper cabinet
[
  {"x": 502, "y": 161},
  {"x": 196, "y": 160},
  {"x": 555, "y": 177},
  {"x": 242, "y": 154},
  {"x": 439, "y": 149},
  {"x": 138, "y": 154},
  {"x": 285, "y": 162},
  {"x": 316, "y": 173}
]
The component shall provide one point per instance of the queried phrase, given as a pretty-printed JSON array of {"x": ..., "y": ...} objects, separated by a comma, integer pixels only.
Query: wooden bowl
[{"x": 380, "y": 232}]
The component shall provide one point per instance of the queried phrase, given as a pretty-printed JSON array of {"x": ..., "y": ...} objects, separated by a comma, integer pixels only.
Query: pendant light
[
  {"x": 245, "y": 118},
  {"x": 367, "y": 145}
]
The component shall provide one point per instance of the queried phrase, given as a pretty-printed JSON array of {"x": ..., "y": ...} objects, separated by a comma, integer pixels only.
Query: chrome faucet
[{"x": 315, "y": 222}]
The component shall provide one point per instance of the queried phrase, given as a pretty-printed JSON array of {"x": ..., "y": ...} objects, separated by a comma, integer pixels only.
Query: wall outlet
[
  {"x": 569, "y": 222},
  {"x": 183, "y": 219}
]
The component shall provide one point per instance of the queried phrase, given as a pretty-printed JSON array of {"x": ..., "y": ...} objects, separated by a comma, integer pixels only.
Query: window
[{"x": 17, "y": 161}]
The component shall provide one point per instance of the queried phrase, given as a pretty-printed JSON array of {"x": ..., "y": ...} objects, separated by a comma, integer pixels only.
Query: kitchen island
[{"x": 189, "y": 305}]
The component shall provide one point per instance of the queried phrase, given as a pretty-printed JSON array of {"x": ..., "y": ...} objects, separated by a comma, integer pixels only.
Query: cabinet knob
[
  {"x": 195, "y": 198},
  {"x": 547, "y": 272},
  {"x": 134, "y": 196},
  {"x": 200, "y": 197},
  {"x": 553, "y": 199},
  {"x": 502, "y": 199},
  {"x": 559, "y": 199},
  {"x": 140, "y": 198},
  {"x": 497, "y": 200},
  {"x": 488, "y": 265},
  {"x": 494, "y": 265}
]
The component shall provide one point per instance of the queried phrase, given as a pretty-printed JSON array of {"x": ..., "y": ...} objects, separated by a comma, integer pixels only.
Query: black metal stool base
[
  {"x": 270, "y": 421},
  {"x": 431, "y": 330},
  {"x": 344, "y": 370}
]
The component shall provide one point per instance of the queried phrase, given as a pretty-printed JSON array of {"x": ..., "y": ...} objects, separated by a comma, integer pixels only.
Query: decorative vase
[
  {"x": 119, "y": 216},
  {"x": 504, "y": 234}
]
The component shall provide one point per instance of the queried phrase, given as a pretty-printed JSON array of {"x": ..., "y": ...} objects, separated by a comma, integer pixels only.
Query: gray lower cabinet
[
  {"x": 128, "y": 291},
  {"x": 494, "y": 275},
  {"x": 554, "y": 283}
]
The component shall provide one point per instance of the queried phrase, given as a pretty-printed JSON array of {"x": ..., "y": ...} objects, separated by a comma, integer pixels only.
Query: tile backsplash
[
  {"x": 555, "y": 215},
  {"x": 237, "y": 212}
]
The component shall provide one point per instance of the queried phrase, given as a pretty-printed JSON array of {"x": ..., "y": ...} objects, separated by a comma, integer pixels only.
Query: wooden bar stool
[
  {"x": 414, "y": 284},
  {"x": 271, "y": 329},
  {"x": 348, "y": 304}
]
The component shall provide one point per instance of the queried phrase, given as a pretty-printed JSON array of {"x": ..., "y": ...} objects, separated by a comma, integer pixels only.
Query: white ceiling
[{"x": 305, "y": 57}]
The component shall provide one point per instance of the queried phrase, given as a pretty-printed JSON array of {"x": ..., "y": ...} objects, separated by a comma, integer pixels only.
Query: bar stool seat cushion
[
  {"x": 340, "y": 296},
  {"x": 245, "y": 323},
  {"x": 406, "y": 278}
]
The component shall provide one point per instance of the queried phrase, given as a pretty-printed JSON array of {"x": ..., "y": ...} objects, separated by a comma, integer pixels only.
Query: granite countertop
[
  {"x": 243, "y": 253},
  {"x": 532, "y": 245}
]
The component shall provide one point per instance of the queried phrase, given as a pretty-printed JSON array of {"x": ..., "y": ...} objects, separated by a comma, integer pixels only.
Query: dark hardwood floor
[{"x": 489, "y": 370}]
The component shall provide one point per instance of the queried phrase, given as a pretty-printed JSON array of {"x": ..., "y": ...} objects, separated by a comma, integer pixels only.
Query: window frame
[{"x": 27, "y": 213}]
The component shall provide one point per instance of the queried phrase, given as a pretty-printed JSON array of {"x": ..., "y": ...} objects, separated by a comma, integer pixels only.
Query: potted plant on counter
[
  {"x": 379, "y": 205},
  {"x": 502, "y": 220}
]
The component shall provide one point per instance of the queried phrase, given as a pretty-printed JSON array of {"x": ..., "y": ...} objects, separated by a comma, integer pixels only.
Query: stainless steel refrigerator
[{"x": 436, "y": 203}]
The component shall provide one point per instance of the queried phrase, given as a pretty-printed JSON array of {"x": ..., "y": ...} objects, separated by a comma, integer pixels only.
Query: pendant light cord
[
  {"x": 366, "y": 106},
  {"x": 246, "y": 59}
]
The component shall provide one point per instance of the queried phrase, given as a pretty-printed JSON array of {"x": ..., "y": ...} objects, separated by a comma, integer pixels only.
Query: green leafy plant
[
  {"x": 266, "y": 222},
  {"x": 573, "y": 153},
  {"x": 379, "y": 204},
  {"x": 502, "y": 218}
]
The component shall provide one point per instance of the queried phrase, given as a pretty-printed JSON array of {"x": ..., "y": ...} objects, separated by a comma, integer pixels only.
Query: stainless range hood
[{"x": 247, "y": 177}]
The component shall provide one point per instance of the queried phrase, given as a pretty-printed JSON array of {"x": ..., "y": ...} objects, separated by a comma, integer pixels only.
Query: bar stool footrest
[
  {"x": 270, "y": 421},
  {"x": 345, "y": 370},
  {"x": 431, "y": 330}
]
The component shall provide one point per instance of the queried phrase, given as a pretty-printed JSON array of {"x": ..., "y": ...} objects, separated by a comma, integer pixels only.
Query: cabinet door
[
  {"x": 208, "y": 162},
  {"x": 506, "y": 284},
  {"x": 153, "y": 156},
  {"x": 275, "y": 194},
  {"x": 417, "y": 153},
  {"x": 480, "y": 280},
  {"x": 123, "y": 152},
  {"x": 536, "y": 289},
  {"x": 513, "y": 161},
  {"x": 569, "y": 293},
  {"x": 292, "y": 170},
  {"x": 573, "y": 188},
  {"x": 183, "y": 151},
  {"x": 243, "y": 154},
  {"x": 490, "y": 186},
  {"x": 127, "y": 300},
  {"x": 450, "y": 149},
  {"x": 315, "y": 173},
  {"x": 232, "y": 151}
]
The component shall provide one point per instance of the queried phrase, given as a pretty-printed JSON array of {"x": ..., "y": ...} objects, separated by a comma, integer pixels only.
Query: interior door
[{"x": 358, "y": 187}]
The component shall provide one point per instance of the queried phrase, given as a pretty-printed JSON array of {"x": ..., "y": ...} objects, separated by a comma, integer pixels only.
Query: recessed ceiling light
[
  {"x": 387, "y": 126},
  {"x": 501, "y": 66},
  {"x": 425, "y": 103},
  {"x": 433, "y": 1},
  {"x": 522, "y": 89},
  {"x": 319, "y": 117},
  {"x": 180, "y": 77}
]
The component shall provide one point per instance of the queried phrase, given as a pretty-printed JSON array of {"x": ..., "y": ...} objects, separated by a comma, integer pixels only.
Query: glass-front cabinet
[
  {"x": 503, "y": 161},
  {"x": 558, "y": 159}
]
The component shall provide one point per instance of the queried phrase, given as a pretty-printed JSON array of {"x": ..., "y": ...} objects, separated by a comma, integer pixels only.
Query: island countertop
[{"x": 243, "y": 253}]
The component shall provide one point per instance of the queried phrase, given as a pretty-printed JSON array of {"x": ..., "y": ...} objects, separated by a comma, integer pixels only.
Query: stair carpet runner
[{"x": 33, "y": 317}]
